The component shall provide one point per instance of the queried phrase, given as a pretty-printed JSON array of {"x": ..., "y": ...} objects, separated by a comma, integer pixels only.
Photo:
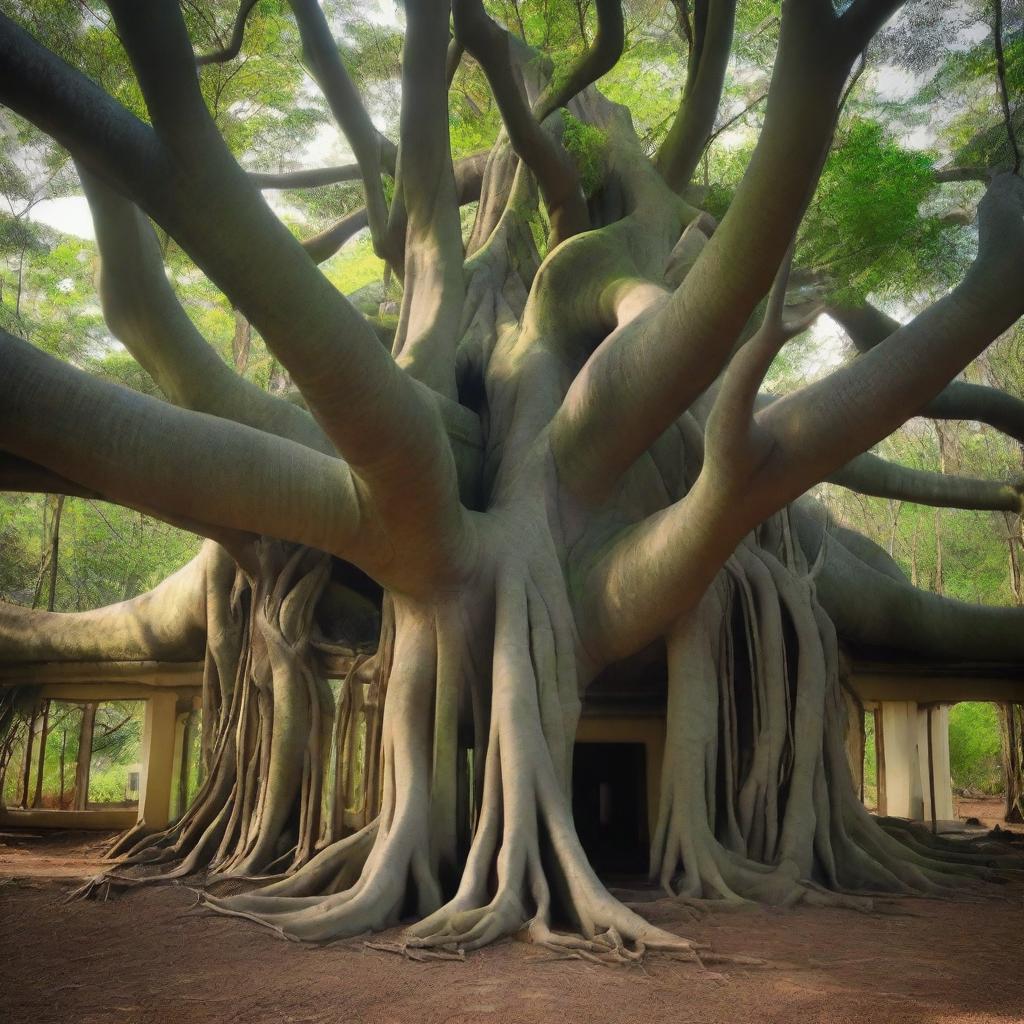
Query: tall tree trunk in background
[
  {"x": 186, "y": 746},
  {"x": 241, "y": 343},
  {"x": 1013, "y": 531},
  {"x": 58, "y": 510},
  {"x": 81, "y": 798},
  {"x": 37, "y": 799},
  {"x": 63, "y": 752},
  {"x": 914, "y": 576},
  {"x": 26, "y": 777},
  {"x": 48, "y": 562},
  {"x": 894, "y": 522}
]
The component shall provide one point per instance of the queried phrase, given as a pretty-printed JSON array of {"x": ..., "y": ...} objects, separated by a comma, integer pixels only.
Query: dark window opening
[{"x": 609, "y": 804}]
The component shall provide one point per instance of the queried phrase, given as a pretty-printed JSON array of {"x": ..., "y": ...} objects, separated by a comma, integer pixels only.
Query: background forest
[{"x": 892, "y": 219}]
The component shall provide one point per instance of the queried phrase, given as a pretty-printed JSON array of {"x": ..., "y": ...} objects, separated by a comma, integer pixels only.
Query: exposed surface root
[{"x": 525, "y": 838}]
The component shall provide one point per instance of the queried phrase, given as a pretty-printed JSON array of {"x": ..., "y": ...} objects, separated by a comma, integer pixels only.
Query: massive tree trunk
[{"x": 559, "y": 464}]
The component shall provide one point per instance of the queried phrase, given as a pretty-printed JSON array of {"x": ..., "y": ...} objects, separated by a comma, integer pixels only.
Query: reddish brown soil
[
  {"x": 141, "y": 959},
  {"x": 989, "y": 811}
]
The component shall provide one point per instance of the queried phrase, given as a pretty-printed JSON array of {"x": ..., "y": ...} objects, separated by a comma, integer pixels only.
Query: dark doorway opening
[{"x": 609, "y": 804}]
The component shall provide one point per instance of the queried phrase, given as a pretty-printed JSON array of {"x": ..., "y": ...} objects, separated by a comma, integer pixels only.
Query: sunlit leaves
[{"x": 865, "y": 226}]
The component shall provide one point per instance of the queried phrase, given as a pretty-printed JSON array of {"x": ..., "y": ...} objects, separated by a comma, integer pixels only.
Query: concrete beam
[
  {"x": 107, "y": 819},
  {"x": 101, "y": 691},
  {"x": 886, "y": 683},
  {"x": 139, "y": 673}
]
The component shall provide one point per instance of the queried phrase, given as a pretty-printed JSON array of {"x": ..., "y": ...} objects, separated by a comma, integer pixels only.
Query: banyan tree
[{"x": 544, "y": 469}]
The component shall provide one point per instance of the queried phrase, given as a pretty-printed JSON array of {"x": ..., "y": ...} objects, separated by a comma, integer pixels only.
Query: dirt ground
[{"x": 144, "y": 959}]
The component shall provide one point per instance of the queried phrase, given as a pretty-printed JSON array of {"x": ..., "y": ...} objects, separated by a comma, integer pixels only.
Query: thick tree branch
[
  {"x": 823, "y": 426},
  {"x": 140, "y": 307},
  {"x": 639, "y": 380},
  {"x": 556, "y": 175},
  {"x": 312, "y": 178},
  {"x": 681, "y": 150},
  {"x": 868, "y": 326},
  {"x": 870, "y": 474},
  {"x": 597, "y": 60},
  {"x": 389, "y": 430},
  {"x": 325, "y": 65},
  {"x": 74, "y": 111},
  {"x": 18, "y": 474},
  {"x": 166, "y": 624},
  {"x": 431, "y": 313},
  {"x": 234, "y": 44},
  {"x": 142, "y": 452},
  {"x": 875, "y": 609}
]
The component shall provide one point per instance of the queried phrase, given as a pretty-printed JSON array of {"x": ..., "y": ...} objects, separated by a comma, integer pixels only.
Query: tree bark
[{"x": 85, "y": 731}]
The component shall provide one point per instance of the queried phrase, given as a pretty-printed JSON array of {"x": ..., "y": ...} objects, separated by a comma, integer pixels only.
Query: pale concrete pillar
[
  {"x": 158, "y": 730},
  {"x": 903, "y": 794},
  {"x": 940, "y": 763}
]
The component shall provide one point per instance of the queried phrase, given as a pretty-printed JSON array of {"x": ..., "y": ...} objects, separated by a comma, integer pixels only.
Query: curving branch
[
  {"x": 469, "y": 172},
  {"x": 691, "y": 129},
  {"x": 388, "y": 429},
  {"x": 638, "y": 381},
  {"x": 876, "y": 609},
  {"x": 311, "y": 178},
  {"x": 234, "y": 44},
  {"x": 323, "y": 245},
  {"x": 143, "y": 312},
  {"x": 23, "y": 475},
  {"x": 870, "y": 474},
  {"x": 597, "y": 60},
  {"x": 324, "y": 63},
  {"x": 77, "y": 113},
  {"x": 554, "y": 170},
  {"x": 167, "y": 623},
  {"x": 868, "y": 326},
  {"x": 821, "y": 427},
  {"x": 435, "y": 287},
  {"x": 139, "y": 451}
]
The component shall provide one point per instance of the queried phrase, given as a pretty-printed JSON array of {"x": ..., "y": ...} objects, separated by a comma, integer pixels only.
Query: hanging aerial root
[
  {"x": 759, "y": 658},
  {"x": 394, "y": 853}
]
